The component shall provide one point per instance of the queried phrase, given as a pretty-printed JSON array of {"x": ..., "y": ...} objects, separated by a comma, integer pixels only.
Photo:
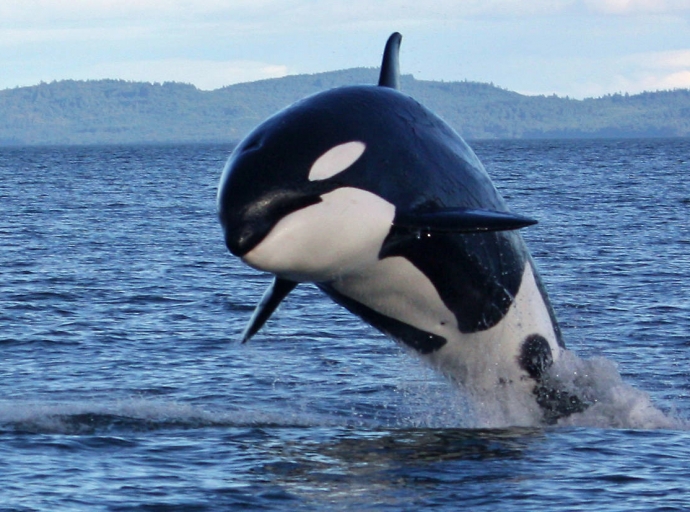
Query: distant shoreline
[
  {"x": 231, "y": 144},
  {"x": 107, "y": 112}
]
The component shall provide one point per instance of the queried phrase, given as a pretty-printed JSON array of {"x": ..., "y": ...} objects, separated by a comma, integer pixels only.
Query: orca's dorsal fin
[
  {"x": 460, "y": 220},
  {"x": 273, "y": 296},
  {"x": 390, "y": 65}
]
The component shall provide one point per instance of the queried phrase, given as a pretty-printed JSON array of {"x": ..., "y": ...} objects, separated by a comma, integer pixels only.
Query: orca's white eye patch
[{"x": 336, "y": 160}]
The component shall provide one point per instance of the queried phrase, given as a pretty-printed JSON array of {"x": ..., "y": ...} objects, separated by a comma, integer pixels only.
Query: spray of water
[{"x": 612, "y": 403}]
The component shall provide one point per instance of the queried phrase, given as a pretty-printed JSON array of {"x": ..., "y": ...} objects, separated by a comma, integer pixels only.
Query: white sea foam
[
  {"x": 135, "y": 414},
  {"x": 615, "y": 403}
]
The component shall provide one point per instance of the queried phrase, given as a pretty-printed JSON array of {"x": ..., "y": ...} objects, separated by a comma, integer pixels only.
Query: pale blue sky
[{"x": 580, "y": 48}]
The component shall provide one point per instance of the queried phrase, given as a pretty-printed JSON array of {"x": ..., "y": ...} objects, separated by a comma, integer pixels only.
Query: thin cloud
[
  {"x": 204, "y": 74},
  {"x": 76, "y": 12},
  {"x": 626, "y": 7},
  {"x": 300, "y": 15},
  {"x": 679, "y": 80},
  {"x": 296, "y": 13},
  {"x": 660, "y": 70},
  {"x": 675, "y": 59}
]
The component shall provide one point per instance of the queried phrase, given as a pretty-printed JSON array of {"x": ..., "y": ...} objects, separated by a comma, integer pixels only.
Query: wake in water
[{"x": 135, "y": 415}]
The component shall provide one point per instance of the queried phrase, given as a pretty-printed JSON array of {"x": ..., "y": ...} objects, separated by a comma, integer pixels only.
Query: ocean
[{"x": 124, "y": 386}]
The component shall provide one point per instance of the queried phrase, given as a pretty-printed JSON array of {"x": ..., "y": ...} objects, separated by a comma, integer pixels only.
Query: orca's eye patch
[{"x": 336, "y": 160}]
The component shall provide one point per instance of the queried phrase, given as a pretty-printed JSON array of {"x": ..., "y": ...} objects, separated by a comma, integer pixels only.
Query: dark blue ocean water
[{"x": 123, "y": 388}]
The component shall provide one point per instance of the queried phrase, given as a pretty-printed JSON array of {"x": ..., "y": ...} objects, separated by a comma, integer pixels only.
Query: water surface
[{"x": 123, "y": 387}]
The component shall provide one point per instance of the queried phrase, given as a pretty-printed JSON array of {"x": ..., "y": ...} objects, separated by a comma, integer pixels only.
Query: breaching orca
[{"x": 372, "y": 197}]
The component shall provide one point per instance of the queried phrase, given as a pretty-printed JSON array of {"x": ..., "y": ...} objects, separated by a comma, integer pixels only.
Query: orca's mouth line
[{"x": 243, "y": 232}]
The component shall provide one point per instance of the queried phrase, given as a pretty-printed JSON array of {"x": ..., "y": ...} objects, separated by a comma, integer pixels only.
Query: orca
[{"x": 376, "y": 200}]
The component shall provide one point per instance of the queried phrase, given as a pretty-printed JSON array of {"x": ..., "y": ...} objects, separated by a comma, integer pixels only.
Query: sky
[{"x": 575, "y": 48}]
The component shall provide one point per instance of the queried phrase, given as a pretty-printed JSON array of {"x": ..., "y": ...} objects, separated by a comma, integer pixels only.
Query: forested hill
[{"x": 111, "y": 111}]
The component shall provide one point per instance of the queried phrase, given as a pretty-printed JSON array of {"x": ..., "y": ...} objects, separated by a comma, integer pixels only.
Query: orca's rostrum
[{"x": 372, "y": 197}]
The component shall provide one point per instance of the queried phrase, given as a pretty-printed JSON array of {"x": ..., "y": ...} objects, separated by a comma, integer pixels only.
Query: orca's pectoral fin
[
  {"x": 390, "y": 65},
  {"x": 273, "y": 296},
  {"x": 460, "y": 220}
]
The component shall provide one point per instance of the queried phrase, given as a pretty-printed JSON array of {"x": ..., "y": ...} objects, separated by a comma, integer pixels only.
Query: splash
[{"x": 612, "y": 403}]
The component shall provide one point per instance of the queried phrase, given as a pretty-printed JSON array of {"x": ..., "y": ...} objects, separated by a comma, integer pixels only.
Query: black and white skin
[{"x": 378, "y": 202}]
